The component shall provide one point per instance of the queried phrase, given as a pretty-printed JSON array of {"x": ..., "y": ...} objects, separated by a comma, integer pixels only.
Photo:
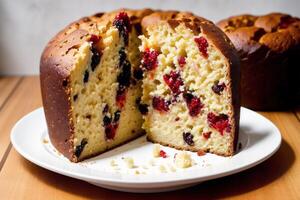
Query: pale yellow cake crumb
[
  {"x": 137, "y": 172},
  {"x": 162, "y": 169},
  {"x": 156, "y": 150},
  {"x": 113, "y": 163},
  {"x": 129, "y": 162},
  {"x": 183, "y": 160}
]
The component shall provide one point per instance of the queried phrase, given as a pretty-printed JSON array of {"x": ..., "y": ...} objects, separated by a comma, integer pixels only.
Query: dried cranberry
[
  {"x": 121, "y": 97},
  {"x": 122, "y": 23},
  {"x": 202, "y": 45},
  {"x": 138, "y": 74},
  {"x": 174, "y": 81},
  {"x": 79, "y": 148},
  {"x": 181, "y": 61},
  {"x": 110, "y": 131},
  {"x": 206, "y": 135},
  {"x": 162, "y": 154},
  {"x": 193, "y": 103},
  {"x": 188, "y": 138},
  {"x": 149, "y": 60},
  {"x": 200, "y": 153},
  {"x": 94, "y": 39},
  {"x": 218, "y": 88},
  {"x": 96, "y": 57},
  {"x": 160, "y": 104},
  {"x": 219, "y": 122}
]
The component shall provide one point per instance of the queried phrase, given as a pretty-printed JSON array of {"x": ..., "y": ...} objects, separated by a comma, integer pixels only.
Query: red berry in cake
[
  {"x": 79, "y": 148},
  {"x": 94, "y": 39},
  {"x": 149, "y": 59},
  {"x": 110, "y": 131},
  {"x": 174, "y": 81},
  {"x": 121, "y": 97},
  {"x": 202, "y": 45},
  {"x": 162, "y": 154},
  {"x": 160, "y": 104},
  {"x": 181, "y": 61},
  {"x": 218, "y": 88},
  {"x": 122, "y": 23},
  {"x": 193, "y": 103},
  {"x": 206, "y": 135},
  {"x": 219, "y": 122},
  {"x": 188, "y": 138}
]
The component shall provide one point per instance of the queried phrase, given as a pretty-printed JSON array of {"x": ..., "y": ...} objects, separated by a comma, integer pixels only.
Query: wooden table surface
[{"x": 276, "y": 178}]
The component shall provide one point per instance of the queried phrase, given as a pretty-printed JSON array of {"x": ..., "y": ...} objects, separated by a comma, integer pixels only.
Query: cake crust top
[{"x": 276, "y": 32}]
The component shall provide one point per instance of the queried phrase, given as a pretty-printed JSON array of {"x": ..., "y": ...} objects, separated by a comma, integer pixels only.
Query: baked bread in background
[
  {"x": 269, "y": 48},
  {"x": 105, "y": 76}
]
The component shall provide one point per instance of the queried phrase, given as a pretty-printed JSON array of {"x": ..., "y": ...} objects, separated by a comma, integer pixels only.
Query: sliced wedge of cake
[{"x": 190, "y": 84}]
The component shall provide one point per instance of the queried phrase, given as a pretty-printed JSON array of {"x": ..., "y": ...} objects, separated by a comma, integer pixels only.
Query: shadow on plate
[{"x": 249, "y": 180}]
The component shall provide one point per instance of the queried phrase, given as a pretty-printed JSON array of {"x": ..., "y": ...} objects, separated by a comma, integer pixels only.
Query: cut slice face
[
  {"x": 104, "y": 90},
  {"x": 187, "y": 89}
]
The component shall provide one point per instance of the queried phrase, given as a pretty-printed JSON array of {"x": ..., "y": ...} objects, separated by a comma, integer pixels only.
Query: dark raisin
[
  {"x": 122, "y": 23},
  {"x": 193, "y": 103},
  {"x": 122, "y": 56},
  {"x": 86, "y": 76},
  {"x": 105, "y": 109},
  {"x": 125, "y": 75},
  {"x": 117, "y": 116},
  {"x": 143, "y": 108},
  {"x": 160, "y": 104},
  {"x": 149, "y": 60},
  {"x": 79, "y": 148},
  {"x": 219, "y": 122},
  {"x": 95, "y": 60},
  {"x": 106, "y": 120},
  {"x": 138, "y": 74},
  {"x": 188, "y": 138},
  {"x": 202, "y": 45},
  {"x": 218, "y": 88},
  {"x": 75, "y": 97}
]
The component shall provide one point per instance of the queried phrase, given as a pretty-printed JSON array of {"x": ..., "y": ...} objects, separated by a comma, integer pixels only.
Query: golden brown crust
[
  {"x": 268, "y": 46},
  {"x": 58, "y": 59}
]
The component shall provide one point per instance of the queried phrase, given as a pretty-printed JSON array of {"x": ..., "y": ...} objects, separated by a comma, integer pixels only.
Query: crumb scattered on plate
[
  {"x": 162, "y": 169},
  {"x": 129, "y": 162},
  {"x": 156, "y": 150},
  {"x": 183, "y": 160}
]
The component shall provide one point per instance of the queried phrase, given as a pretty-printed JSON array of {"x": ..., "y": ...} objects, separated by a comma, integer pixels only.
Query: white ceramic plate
[{"x": 259, "y": 138}]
